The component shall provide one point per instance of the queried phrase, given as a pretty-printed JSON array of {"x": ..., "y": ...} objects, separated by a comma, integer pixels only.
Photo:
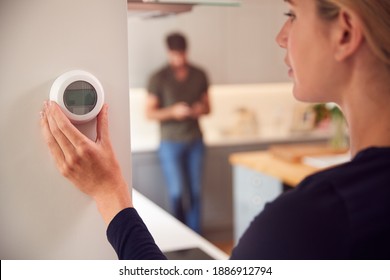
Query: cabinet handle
[
  {"x": 257, "y": 200},
  {"x": 256, "y": 181}
]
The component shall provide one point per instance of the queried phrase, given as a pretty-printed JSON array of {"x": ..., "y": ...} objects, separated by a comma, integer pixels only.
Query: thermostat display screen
[{"x": 80, "y": 97}]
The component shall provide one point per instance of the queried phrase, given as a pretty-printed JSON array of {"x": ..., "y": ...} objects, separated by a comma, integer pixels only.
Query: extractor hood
[{"x": 160, "y": 8}]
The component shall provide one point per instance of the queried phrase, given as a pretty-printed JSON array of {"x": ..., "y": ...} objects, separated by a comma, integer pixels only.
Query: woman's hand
[{"x": 91, "y": 166}]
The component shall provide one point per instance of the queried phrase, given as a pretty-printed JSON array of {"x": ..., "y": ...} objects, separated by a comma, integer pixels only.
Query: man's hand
[{"x": 181, "y": 111}]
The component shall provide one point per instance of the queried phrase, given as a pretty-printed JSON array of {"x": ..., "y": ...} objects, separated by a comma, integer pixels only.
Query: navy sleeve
[
  {"x": 131, "y": 239},
  {"x": 306, "y": 223}
]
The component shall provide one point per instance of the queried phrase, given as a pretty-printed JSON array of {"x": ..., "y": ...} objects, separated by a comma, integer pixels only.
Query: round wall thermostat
[{"x": 79, "y": 94}]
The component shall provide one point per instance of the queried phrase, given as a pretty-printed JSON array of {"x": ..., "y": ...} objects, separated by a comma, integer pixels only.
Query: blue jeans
[{"x": 182, "y": 165}]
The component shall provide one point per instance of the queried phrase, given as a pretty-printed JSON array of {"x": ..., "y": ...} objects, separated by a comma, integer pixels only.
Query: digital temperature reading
[{"x": 79, "y": 94}]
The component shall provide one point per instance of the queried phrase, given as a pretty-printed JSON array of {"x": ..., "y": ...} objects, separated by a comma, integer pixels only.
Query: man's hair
[{"x": 176, "y": 42}]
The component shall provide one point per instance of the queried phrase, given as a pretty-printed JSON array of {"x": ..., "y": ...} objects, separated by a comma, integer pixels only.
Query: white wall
[
  {"x": 41, "y": 215},
  {"x": 236, "y": 45}
]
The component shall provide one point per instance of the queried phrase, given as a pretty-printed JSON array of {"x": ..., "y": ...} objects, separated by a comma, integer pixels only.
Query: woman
[{"x": 337, "y": 51}]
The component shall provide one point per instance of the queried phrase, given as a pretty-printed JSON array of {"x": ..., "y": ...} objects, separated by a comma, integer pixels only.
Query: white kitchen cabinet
[{"x": 251, "y": 191}]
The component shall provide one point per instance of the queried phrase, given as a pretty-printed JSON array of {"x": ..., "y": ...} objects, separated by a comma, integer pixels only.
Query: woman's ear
[{"x": 347, "y": 35}]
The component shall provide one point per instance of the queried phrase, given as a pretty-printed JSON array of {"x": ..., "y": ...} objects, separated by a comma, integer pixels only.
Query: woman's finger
[
  {"x": 56, "y": 130},
  {"x": 51, "y": 142},
  {"x": 102, "y": 130},
  {"x": 73, "y": 135}
]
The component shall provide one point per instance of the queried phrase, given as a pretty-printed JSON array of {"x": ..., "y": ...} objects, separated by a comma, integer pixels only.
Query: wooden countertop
[{"x": 291, "y": 173}]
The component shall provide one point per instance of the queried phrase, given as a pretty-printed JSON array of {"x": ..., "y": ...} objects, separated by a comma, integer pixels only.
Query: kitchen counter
[
  {"x": 269, "y": 136},
  {"x": 168, "y": 232},
  {"x": 291, "y": 173},
  {"x": 260, "y": 177},
  {"x": 288, "y": 163},
  {"x": 214, "y": 139}
]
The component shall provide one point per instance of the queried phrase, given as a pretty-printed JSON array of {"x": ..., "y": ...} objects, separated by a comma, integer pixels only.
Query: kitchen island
[{"x": 261, "y": 176}]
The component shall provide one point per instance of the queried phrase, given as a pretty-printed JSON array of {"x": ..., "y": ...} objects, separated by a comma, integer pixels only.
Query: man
[{"x": 178, "y": 96}]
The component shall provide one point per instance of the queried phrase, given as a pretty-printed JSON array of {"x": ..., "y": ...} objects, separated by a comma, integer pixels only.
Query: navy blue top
[{"x": 339, "y": 213}]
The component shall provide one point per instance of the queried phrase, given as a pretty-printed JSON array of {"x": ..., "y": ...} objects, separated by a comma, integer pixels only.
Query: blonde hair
[{"x": 375, "y": 15}]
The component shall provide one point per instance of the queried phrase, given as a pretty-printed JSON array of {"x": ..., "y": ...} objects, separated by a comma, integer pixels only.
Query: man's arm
[
  {"x": 178, "y": 111},
  {"x": 202, "y": 107}
]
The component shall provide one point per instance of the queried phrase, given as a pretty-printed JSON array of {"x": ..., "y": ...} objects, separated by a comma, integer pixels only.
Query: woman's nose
[{"x": 282, "y": 36}]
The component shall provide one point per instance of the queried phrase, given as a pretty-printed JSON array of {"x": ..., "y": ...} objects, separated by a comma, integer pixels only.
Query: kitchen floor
[{"x": 226, "y": 246}]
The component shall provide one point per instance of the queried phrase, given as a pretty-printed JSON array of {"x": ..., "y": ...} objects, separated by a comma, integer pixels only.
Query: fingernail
[{"x": 41, "y": 114}]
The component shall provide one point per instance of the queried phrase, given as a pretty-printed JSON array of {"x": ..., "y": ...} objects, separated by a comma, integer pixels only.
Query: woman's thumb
[{"x": 102, "y": 129}]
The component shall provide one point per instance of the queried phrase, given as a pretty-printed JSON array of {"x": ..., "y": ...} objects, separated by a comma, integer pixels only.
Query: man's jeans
[{"x": 182, "y": 164}]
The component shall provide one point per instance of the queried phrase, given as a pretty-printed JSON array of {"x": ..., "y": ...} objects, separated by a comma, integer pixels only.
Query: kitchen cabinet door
[{"x": 251, "y": 191}]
